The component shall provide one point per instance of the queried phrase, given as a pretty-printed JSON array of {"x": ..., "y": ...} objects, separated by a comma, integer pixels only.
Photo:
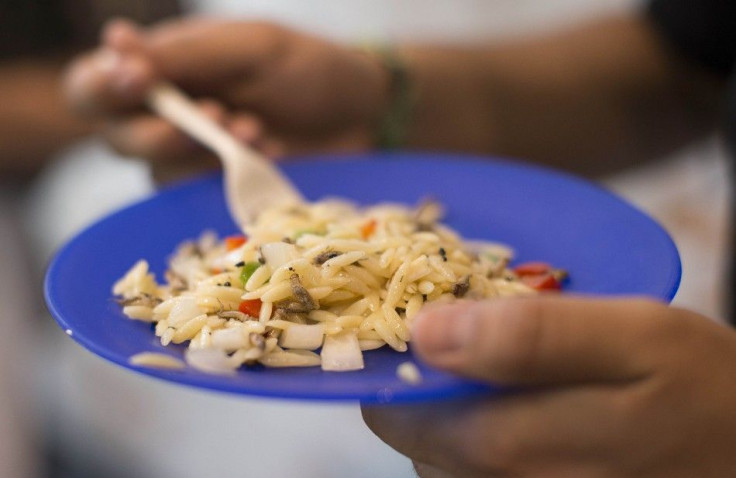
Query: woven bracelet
[{"x": 393, "y": 128}]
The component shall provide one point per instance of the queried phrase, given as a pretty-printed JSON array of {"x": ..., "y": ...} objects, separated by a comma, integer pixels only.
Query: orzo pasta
[{"x": 325, "y": 276}]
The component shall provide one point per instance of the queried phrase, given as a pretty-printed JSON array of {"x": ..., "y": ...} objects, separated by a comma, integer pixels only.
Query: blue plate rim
[{"x": 465, "y": 388}]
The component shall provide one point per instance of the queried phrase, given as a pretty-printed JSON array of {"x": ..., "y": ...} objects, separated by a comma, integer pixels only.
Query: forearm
[
  {"x": 34, "y": 119},
  {"x": 594, "y": 98}
]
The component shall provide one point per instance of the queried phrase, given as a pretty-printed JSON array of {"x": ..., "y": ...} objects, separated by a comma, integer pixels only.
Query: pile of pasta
[{"x": 312, "y": 285}]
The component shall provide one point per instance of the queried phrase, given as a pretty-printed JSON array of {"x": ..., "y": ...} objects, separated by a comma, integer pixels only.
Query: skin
[
  {"x": 558, "y": 100},
  {"x": 603, "y": 388},
  {"x": 623, "y": 387},
  {"x": 29, "y": 135},
  {"x": 286, "y": 92},
  {"x": 306, "y": 78}
]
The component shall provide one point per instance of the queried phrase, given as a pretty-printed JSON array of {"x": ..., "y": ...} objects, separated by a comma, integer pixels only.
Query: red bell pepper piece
[
  {"x": 251, "y": 308},
  {"x": 532, "y": 269},
  {"x": 233, "y": 242}
]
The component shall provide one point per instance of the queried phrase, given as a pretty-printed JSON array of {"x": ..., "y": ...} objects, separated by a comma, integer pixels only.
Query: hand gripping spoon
[{"x": 252, "y": 182}]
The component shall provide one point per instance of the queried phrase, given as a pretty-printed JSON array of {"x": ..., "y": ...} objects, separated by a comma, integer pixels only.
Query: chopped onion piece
[
  {"x": 229, "y": 260},
  {"x": 277, "y": 254},
  {"x": 341, "y": 352},
  {"x": 241, "y": 356},
  {"x": 209, "y": 360},
  {"x": 301, "y": 336},
  {"x": 229, "y": 339}
]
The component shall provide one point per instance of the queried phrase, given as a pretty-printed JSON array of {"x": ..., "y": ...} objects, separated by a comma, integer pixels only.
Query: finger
[
  {"x": 155, "y": 139},
  {"x": 271, "y": 147},
  {"x": 541, "y": 340},
  {"x": 188, "y": 167},
  {"x": 405, "y": 428},
  {"x": 249, "y": 130},
  {"x": 424, "y": 470},
  {"x": 148, "y": 137},
  {"x": 443, "y": 443},
  {"x": 300, "y": 144},
  {"x": 246, "y": 128},
  {"x": 105, "y": 82},
  {"x": 516, "y": 435},
  {"x": 227, "y": 50},
  {"x": 123, "y": 36}
]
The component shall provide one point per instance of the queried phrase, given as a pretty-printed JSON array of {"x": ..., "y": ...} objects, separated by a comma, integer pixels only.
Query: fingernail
[
  {"x": 445, "y": 328},
  {"x": 129, "y": 76},
  {"x": 118, "y": 28},
  {"x": 108, "y": 61},
  {"x": 126, "y": 73},
  {"x": 244, "y": 130}
]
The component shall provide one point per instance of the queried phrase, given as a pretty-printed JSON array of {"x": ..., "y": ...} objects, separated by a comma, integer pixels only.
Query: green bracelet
[{"x": 393, "y": 128}]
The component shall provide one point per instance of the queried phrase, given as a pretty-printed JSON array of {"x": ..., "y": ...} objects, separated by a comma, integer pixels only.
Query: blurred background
[{"x": 66, "y": 413}]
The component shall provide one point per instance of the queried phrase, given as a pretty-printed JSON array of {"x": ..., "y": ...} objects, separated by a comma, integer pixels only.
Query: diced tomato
[
  {"x": 541, "y": 282},
  {"x": 532, "y": 269},
  {"x": 233, "y": 242},
  {"x": 251, "y": 307},
  {"x": 368, "y": 229}
]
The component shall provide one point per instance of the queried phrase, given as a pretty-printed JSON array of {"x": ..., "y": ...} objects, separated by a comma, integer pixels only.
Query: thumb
[{"x": 542, "y": 340}]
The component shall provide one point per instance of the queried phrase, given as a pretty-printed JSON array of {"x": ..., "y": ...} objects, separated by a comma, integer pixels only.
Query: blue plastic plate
[{"x": 607, "y": 246}]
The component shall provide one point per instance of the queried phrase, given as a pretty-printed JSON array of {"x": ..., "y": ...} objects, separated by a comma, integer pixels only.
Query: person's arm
[
  {"x": 39, "y": 38},
  {"x": 35, "y": 119},
  {"x": 594, "y": 97}
]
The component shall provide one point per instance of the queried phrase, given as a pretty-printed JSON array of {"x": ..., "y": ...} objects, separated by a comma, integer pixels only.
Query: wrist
[{"x": 395, "y": 112}]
